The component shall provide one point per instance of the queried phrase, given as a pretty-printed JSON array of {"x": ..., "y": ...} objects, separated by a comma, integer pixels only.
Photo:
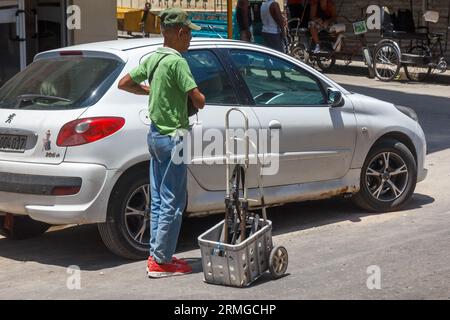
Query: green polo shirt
[{"x": 172, "y": 81}]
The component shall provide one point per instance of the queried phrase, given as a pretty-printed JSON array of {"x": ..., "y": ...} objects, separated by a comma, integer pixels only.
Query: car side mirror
[{"x": 335, "y": 98}]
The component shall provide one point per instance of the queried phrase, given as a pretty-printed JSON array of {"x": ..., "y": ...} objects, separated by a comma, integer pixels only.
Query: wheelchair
[{"x": 424, "y": 50}]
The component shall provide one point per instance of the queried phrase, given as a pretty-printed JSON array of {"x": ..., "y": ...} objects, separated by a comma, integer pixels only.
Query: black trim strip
[{"x": 33, "y": 184}]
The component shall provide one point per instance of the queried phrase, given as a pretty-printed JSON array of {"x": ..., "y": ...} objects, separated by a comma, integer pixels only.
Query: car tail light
[{"x": 83, "y": 131}]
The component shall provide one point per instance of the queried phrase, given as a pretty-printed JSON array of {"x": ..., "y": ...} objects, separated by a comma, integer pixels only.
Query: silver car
[{"x": 73, "y": 146}]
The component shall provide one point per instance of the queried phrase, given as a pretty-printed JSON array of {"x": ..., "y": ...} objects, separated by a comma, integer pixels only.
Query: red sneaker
[
  {"x": 155, "y": 270},
  {"x": 179, "y": 261},
  {"x": 174, "y": 260}
]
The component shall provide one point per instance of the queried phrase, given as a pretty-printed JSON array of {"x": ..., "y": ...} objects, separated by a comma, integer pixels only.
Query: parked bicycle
[{"x": 332, "y": 40}]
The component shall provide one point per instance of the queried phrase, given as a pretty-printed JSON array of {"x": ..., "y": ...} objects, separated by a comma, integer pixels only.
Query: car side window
[
  {"x": 211, "y": 78},
  {"x": 273, "y": 81}
]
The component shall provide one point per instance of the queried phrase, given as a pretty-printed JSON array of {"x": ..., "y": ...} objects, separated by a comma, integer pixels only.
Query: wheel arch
[
  {"x": 401, "y": 137},
  {"x": 140, "y": 166}
]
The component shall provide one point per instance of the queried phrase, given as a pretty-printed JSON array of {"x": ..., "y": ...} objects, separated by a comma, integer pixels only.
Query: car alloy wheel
[
  {"x": 387, "y": 176},
  {"x": 137, "y": 215}
]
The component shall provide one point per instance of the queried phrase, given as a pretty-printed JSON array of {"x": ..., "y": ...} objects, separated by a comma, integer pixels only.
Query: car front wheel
[{"x": 388, "y": 177}]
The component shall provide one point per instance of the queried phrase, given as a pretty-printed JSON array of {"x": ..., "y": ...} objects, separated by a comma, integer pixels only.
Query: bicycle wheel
[
  {"x": 326, "y": 63},
  {"x": 416, "y": 72},
  {"x": 299, "y": 52},
  {"x": 387, "y": 61}
]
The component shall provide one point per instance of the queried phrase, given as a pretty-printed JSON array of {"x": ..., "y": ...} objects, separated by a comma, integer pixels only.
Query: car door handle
[{"x": 275, "y": 125}]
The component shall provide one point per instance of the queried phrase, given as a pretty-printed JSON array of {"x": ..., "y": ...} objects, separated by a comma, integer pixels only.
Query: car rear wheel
[
  {"x": 21, "y": 227},
  {"x": 388, "y": 177},
  {"x": 127, "y": 229}
]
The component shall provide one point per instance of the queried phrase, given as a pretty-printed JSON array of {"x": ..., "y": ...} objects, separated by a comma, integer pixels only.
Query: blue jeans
[{"x": 168, "y": 195}]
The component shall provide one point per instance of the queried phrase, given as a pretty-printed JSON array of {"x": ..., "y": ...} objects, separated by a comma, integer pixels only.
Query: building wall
[
  {"x": 353, "y": 9},
  {"x": 98, "y": 21}
]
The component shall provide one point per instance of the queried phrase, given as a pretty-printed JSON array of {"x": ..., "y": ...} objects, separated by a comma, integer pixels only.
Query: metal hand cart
[{"x": 238, "y": 250}]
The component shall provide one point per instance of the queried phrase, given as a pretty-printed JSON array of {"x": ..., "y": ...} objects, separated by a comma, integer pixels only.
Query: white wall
[{"x": 98, "y": 21}]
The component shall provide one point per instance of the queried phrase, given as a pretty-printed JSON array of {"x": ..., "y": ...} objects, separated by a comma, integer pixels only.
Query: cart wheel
[
  {"x": 386, "y": 62},
  {"x": 418, "y": 73},
  {"x": 278, "y": 262}
]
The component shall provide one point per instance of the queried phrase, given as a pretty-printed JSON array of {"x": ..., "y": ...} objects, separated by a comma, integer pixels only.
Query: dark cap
[{"x": 176, "y": 16}]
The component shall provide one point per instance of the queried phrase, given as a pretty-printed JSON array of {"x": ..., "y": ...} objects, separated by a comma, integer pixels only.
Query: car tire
[
  {"x": 387, "y": 189},
  {"x": 23, "y": 228},
  {"x": 116, "y": 232}
]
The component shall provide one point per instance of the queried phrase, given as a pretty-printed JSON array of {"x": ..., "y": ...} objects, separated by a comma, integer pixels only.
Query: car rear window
[{"x": 67, "y": 82}]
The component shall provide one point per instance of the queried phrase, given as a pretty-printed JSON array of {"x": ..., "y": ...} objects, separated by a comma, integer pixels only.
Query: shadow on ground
[
  {"x": 361, "y": 70},
  {"x": 83, "y": 246}
]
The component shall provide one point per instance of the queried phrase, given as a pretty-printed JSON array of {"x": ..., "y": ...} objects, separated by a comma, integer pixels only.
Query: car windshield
[{"x": 60, "y": 83}]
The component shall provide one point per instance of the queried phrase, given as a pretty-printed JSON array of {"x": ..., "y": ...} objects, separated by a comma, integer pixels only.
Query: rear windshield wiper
[{"x": 31, "y": 97}]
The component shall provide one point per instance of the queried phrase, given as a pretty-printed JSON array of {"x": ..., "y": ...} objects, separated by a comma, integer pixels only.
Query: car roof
[
  {"x": 133, "y": 44},
  {"x": 122, "y": 48}
]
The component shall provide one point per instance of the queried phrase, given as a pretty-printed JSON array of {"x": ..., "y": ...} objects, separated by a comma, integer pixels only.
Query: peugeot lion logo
[{"x": 10, "y": 118}]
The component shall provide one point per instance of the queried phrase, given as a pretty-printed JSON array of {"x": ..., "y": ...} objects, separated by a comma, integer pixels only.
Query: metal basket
[{"x": 235, "y": 265}]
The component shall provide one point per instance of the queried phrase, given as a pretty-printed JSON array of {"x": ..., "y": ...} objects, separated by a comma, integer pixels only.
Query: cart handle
[{"x": 227, "y": 147}]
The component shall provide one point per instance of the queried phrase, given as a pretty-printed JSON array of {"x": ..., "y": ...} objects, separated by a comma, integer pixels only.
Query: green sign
[{"x": 359, "y": 27}]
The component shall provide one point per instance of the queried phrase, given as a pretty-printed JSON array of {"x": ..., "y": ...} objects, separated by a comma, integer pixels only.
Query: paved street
[{"x": 331, "y": 243}]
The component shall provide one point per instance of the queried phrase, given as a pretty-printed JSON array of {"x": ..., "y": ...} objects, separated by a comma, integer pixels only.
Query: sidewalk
[{"x": 359, "y": 69}]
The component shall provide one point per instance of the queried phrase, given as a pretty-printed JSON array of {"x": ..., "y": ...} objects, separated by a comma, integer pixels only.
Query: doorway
[{"x": 28, "y": 27}]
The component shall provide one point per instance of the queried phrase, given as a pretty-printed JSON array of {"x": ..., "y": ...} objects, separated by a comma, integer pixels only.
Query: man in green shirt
[{"x": 171, "y": 82}]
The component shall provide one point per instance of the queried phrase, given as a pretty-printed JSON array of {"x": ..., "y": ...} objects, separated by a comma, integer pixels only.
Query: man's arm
[
  {"x": 275, "y": 11},
  {"x": 198, "y": 99},
  {"x": 244, "y": 8},
  {"x": 127, "y": 84}
]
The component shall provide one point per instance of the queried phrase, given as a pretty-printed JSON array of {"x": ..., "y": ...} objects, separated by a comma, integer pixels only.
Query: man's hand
[
  {"x": 198, "y": 99},
  {"x": 127, "y": 84}
]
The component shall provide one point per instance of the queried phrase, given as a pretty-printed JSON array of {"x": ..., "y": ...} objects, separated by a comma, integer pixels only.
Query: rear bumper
[
  {"x": 33, "y": 198},
  {"x": 38, "y": 185}
]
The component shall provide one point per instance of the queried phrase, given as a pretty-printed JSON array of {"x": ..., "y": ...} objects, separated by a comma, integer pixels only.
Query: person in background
[
  {"x": 323, "y": 15},
  {"x": 244, "y": 19},
  {"x": 147, "y": 9},
  {"x": 274, "y": 25}
]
